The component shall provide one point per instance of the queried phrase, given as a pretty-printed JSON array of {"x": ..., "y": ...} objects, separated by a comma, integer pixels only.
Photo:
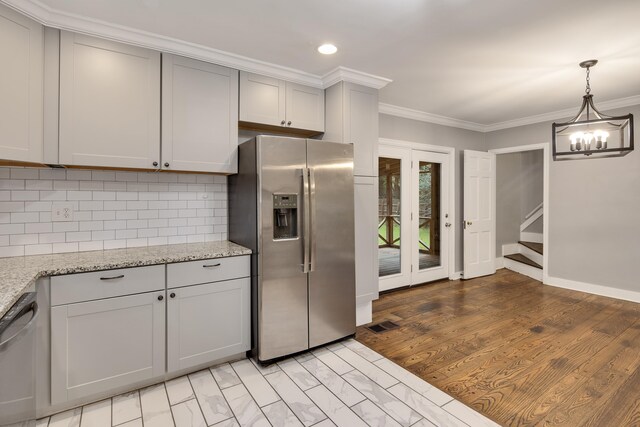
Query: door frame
[
  {"x": 451, "y": 152},
  {"x": 544, "y": 146}
]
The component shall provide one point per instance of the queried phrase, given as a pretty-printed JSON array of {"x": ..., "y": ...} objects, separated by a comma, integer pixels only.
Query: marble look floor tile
[
  {"x": 330, "y": 359},
  {"x": 335, "y": 346},
  {"x": 265, "y": 370},
  {"x": 225, "y": 376},
  {"x": 362, "y": 350},
  {"x": 295, "y": 398},
  {"x": 382, "y": 398},
  {"x": 374, "y": 416},
  {"x": 304, "y": 357},
  {"x": 426, "y": 423},
  {"x": 69, "y": 418},
  {"x": 133, "y": 423},
  {"x": 280, "y": 415},
  {"x": 416, "y": 383},
  {"x": 259, "y": 388},
  {"x": 213, "y": 404},
  {"x": 42, "y": 422},
  {"x": 97, "y": 414},
  {"x": 298, "y": 374},
  {"x": 325, "y": 423},
  {"x": 188, "y": 414},
  {"x": 155, "y": 407},
  {"x": 231, "y": 422},
  {"x": 369, "y": 369},
  {"x": 244, "y": 407},
  {"x": 334, "y": 382},
  {"x": 334, "y": 408},
  {"x": 179, "y": 390},
  {"x": 424, "y": 406},
  {"x": 125, "y": 407},
  {"x": 468, "y": 415}
]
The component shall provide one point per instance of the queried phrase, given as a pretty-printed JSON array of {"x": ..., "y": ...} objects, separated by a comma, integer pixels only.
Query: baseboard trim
[
  {"x": 456, "y": 275},
  {"x": 527, "y": 270},
  {"x": 500, "y": 261},
  {"x": 590, "y": 288},
  {"x": 364, "y": 313}
]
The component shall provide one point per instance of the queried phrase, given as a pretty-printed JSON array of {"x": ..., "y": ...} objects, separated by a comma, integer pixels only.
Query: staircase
[{"x": 526, "y": 257}]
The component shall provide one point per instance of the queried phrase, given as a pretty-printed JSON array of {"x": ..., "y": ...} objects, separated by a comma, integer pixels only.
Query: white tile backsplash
[{"x": 112, "y": 209}]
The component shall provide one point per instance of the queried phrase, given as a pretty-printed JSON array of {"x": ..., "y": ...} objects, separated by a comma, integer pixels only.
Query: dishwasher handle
[{"x": 26, "y": 304}]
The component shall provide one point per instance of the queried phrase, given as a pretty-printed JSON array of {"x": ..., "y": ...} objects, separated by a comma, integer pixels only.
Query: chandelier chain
[{"x": 588, "y": 88}]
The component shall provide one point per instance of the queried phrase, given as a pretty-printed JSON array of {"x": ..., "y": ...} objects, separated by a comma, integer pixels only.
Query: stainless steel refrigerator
[{"x": 292, "y": 204}]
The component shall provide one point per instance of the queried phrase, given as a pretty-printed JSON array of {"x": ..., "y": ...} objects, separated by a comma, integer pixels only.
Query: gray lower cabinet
[
  {"x": 100, "y": 345},
  {"x": 207, "y": 322}
]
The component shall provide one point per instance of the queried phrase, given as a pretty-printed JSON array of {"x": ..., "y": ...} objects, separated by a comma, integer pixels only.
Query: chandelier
[{"x": 590, "y": 132}]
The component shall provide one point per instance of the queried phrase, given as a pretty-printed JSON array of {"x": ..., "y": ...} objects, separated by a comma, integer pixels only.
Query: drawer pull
[
  {"x": 211, "y": 265},
  {"x": 112, "y": 278}
]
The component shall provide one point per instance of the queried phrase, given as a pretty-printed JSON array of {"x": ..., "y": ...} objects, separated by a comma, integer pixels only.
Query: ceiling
[{"x": 480, "y": 61}]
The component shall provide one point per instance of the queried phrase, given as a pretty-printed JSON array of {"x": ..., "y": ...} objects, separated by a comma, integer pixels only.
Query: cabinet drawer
[
  {"x": 106, "y": 284},
  {"x": 208, "y": 270}
]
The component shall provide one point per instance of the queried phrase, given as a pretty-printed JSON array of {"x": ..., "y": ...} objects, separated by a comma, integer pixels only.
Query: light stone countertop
[{"x": 18, "y": 273}]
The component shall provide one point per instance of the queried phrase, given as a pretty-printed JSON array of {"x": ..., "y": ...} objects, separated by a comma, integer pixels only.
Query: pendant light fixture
[{"x": 591, "y": 133}]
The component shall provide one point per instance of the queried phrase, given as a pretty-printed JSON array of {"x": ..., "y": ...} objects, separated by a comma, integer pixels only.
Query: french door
[{"x": 413, "y": 217}]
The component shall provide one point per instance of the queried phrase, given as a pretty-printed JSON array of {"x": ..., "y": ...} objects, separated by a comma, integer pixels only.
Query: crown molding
[
  {"x": 93, "y": 27},
  {"x": 408, "y": 113},
  {"x": 345, "y": 74}
]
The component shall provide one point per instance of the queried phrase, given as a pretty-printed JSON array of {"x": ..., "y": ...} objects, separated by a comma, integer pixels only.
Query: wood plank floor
[{"x": 519, "y": 352}]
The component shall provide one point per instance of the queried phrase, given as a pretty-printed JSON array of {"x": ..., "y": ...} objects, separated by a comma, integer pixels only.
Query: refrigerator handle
[
  {"x": 312, "y": 214},
  {"x": 305, "y": 220}
]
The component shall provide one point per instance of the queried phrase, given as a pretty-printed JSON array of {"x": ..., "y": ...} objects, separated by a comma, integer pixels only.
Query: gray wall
[
  {"x": 427, "y": 133},
  {"x": 519, "y": 189},
  {"x": 594, "y": 205}
]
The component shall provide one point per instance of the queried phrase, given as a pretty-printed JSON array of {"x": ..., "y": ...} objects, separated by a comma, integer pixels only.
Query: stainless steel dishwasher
[{"x": 17, "y": 362}]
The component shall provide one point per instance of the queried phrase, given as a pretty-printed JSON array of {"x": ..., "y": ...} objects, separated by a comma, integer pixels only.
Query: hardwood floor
[{"x": 517, "y": 351}]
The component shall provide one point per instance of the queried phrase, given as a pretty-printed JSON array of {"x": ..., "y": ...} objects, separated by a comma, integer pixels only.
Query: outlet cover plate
[{"x": 62, "y": 212}]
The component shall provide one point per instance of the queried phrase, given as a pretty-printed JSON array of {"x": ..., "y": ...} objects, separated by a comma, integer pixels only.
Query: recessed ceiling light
[{"x": 327, "y": 49}]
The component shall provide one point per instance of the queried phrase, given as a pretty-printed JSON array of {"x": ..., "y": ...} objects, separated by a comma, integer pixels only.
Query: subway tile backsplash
[{"x": 111, "y": 209}]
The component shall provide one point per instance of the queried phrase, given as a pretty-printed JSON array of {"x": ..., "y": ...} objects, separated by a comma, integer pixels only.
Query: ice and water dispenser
[{"x": 285, "y": 216}]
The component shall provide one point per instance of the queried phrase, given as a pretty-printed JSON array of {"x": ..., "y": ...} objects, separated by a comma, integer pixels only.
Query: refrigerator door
[
  {"x": 282, "y": 283},
  {"x": 332, "y": 294}
]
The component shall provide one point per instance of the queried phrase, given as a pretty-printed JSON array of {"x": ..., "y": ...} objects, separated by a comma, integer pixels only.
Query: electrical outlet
[{"x": 62, "y": 211}]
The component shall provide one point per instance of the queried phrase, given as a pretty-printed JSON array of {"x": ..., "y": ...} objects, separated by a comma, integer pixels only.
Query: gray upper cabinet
[
  {"x": 352, "y": 117},
  {"x": 21, "y": 87},
  {"x": 199, "y": 116},
  {"x": 109, "y": 103},
  {"x": 273, "y": 102}
]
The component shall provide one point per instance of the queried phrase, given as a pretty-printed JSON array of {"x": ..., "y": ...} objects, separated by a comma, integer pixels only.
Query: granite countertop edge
[{"x": 18, "y": 274}]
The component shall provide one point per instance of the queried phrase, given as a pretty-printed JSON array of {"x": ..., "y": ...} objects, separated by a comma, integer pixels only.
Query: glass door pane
[
  {"x": 428, "y": 223},
  {"x": 389, "y": 201}
]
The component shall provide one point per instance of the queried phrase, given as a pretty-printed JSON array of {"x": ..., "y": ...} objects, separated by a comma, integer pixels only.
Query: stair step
[
  {"x": 524, "y": 260},
  {"x": 536, "y": 247}
]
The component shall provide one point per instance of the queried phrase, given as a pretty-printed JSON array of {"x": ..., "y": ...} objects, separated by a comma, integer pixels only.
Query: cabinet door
[
  {"x": 101, "y": 345},
  {"x": 304, "y": 107},
  {"x": 361, "y": 127},
  {"x": 109, "y": 103},
  {"x": 199, "y": 116},
  {"x": 366, "y": 232},
  {"x": 262, "y": 99},
  {"x": 207, "y": 322},
  {"x": 21, "y": 46}
]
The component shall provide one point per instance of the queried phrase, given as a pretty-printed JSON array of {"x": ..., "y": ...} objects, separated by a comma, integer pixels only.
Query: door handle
[
  {"x": 312, "y": 219},
  {"x": 21, "y": 311},
  {"x": 113, "y": 277},
  {"x": 305, "y": 220}
]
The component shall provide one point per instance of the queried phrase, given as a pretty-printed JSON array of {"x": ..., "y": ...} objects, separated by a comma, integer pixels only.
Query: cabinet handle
[
  {"x": 282, "y": 123},
  {"x": 289, "y": 123},
  {"x": 155, "y": 164},
  {"x": 112, "y": 278},
  {"x": 166, "y": 164},
  {"x": 160, "y": 297},
  {"x": 172, "y": 295},
  {"x": 211, "y": 265}
]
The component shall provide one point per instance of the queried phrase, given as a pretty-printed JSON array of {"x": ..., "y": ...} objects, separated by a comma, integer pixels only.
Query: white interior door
[
  {"x": 430, "y": 217},
  {"x": 413, "y": 217},
  {"x": 479, "y": 219}
]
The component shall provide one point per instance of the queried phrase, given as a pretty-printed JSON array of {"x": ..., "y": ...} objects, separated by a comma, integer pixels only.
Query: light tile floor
[{"x": 344, "y": 384}]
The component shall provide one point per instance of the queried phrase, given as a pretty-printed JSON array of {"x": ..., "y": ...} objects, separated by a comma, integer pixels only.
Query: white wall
[
  {"x": 594, "y": 204},
  {"x": 428, "y": 133},
  {"x": 113, "y": 209}
]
